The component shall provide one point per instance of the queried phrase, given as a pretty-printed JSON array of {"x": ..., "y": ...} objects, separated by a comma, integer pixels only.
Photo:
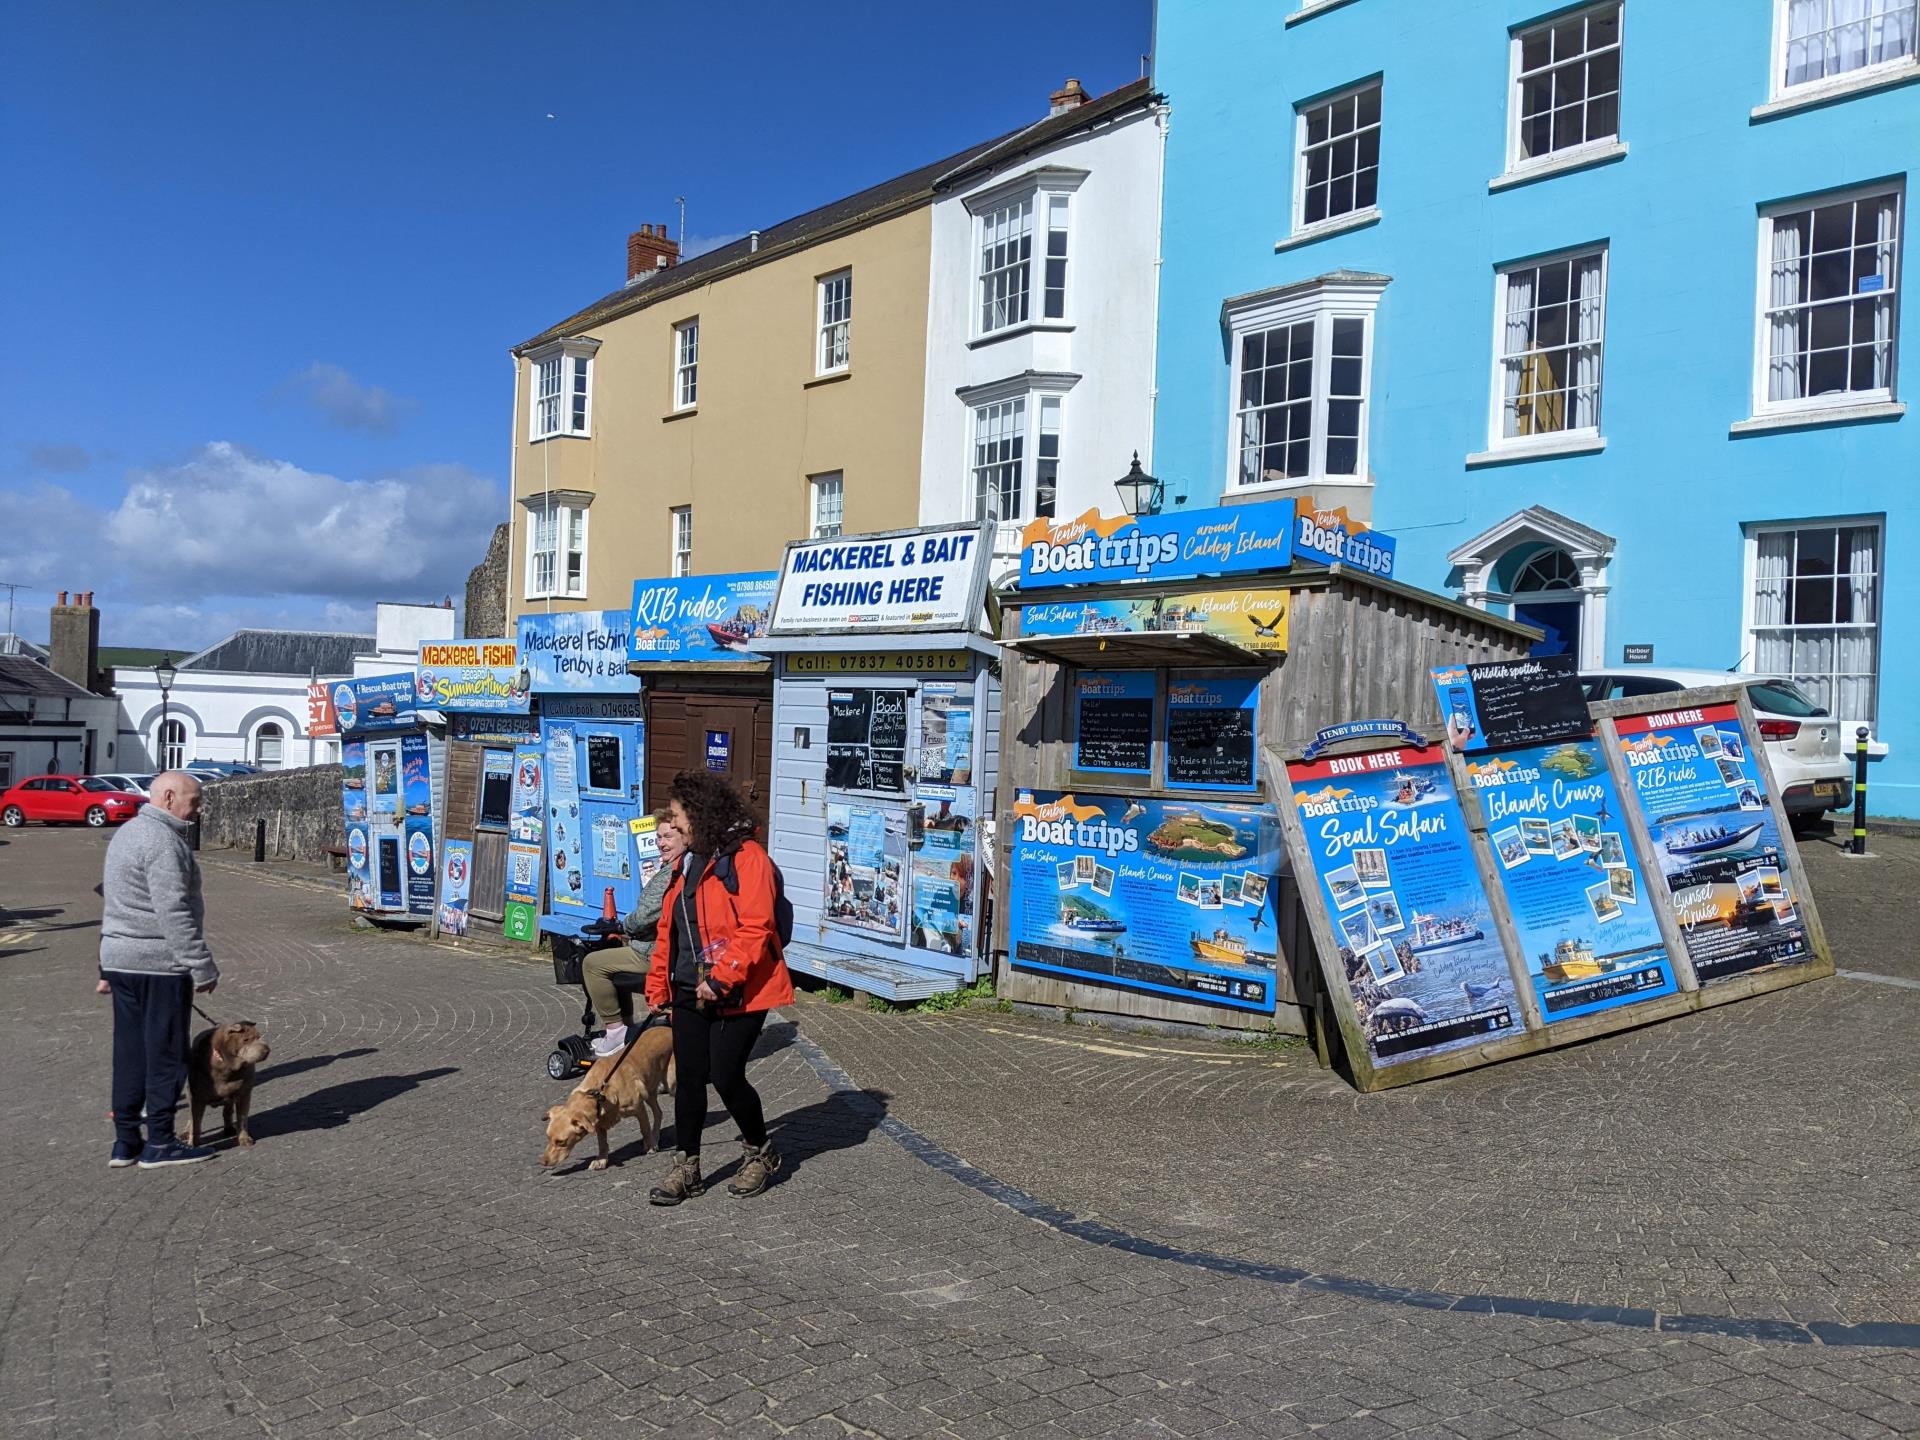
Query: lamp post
[
  {"x": 1140, "y": 493},
  {"x": 164, "y": 673}
]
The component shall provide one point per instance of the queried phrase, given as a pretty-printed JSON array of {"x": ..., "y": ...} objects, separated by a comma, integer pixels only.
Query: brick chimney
[
  {"x": 73, "y": 640},
  {"x": 649, "y": 250},
  {"x": 1068, "y": 97}
]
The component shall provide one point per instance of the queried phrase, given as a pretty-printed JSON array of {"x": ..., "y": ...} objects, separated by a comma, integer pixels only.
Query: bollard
[
  {"x": 259, "y": 841},
  {"x": 1860, "y": 791}
]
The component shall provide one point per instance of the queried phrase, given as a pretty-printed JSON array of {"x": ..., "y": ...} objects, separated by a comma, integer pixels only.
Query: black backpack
[{"x": 782, "y": 907}]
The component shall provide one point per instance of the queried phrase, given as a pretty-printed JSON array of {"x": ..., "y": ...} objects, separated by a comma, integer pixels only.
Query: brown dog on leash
[
  {"x": 220, "y": 1072},
  {"x": 616, "y": 1087}
]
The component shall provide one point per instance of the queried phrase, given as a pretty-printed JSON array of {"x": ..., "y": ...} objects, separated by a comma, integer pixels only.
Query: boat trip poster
[
  {"x": 1396, "y": 873},
  {"x": 706, "y": 617},
  {"x": 1733, "y": 891},
  {"x": 416, "y": 796},
  {"x": 943, "y": 870},
  {"x": 565, "y": 843},
  {"x": 1585, "y": 923},
  {"x": 1165, "y": 897}
]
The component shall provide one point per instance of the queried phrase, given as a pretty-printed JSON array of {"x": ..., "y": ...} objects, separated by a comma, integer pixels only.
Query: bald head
[{"x": 177, "y": 793}]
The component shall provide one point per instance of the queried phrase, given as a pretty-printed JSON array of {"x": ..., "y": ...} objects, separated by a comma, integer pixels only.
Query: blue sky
[{"x": 265, "y": 261}]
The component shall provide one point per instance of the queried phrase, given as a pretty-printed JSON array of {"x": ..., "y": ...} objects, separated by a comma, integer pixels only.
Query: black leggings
[{"x": 712, "y": 1050}]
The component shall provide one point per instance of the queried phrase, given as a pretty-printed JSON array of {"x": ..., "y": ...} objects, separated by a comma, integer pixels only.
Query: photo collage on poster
[
  {"x": 1166, "y": 897},
  {"x": 867, "y": 866},
  {"x": 940, "y": 835},
  {"x": 1589, "y": 935},
  {"x": 946, "y": 734},
  {"x": 1731, "y": 889},
  {"x": 1399, "y": 883}
]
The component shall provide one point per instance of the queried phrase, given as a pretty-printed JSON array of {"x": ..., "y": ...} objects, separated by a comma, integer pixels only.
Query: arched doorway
[
  {"x": 1546, "y": 594},
  {"x": 1544, "y": 570},
  {"x": 170, "y": 745}
]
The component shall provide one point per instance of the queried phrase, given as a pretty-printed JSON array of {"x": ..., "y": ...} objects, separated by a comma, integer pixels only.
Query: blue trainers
[
  {"x": 125, "y": 1153},
  {"x": 172, "y": 1152}
]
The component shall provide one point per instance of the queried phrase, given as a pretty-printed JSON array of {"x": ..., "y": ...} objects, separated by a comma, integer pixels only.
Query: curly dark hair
[{"x": 718, "y": 815}]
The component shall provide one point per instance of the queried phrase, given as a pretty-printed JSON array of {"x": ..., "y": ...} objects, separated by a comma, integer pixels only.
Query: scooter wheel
[{"x": 561, "y": 1065}]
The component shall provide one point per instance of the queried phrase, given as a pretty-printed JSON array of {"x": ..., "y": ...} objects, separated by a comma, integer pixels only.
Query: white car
[
  {"x": 132, "y": 784},
  {"x": 1811, "y": 764}
]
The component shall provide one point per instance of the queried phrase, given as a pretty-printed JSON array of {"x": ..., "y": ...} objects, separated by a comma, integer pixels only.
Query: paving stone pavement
[{"x": 390, "y": 1259}]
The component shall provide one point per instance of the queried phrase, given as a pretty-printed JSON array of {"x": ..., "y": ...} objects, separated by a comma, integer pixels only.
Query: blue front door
[{"x": 1560, "y": 619}]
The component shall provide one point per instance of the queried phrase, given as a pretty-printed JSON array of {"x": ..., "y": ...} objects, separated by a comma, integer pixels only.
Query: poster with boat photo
[
  {"x": 1395, "y": 872},
  {"x": 1589, "y": 942},
  {"x": 1726, "y": 875},
  {"x": 1170, "y": 898}
]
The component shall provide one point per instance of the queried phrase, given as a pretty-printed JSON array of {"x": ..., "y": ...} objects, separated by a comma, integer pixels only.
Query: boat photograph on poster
[{"x": 1422, "y": 959}]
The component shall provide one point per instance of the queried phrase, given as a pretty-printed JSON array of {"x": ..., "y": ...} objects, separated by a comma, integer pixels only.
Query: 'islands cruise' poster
[
  {"x": 1733, "y": 893},
  {"x": 1396, "y": 874},
  {"x": 1166, "y": 897},
  {"x": 1585, "y": 923}
]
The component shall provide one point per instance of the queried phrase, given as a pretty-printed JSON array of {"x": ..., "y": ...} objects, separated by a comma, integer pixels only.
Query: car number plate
[{"x": 1826, "y": 790}]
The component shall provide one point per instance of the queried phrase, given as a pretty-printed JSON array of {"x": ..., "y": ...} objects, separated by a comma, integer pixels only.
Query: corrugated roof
[
  {"x": 21, "y": 676},
  {"x": 866, "y": 207},
  {"x": 282, "y": 652},
  {"x": 138, "y": 656}
]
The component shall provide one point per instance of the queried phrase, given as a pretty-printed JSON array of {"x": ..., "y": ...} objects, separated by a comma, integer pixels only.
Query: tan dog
[
  {"x": 220, "y": 1072},
  {"x": 628, "y": 1086}
]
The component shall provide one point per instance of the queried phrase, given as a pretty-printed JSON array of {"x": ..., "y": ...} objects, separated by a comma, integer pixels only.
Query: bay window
[
  {"x": 1022, "y": 240},
  {"x": 1016, "y": 454},
  {"x": 556, "y": 546},
  {"x": 561, "y": 396}
]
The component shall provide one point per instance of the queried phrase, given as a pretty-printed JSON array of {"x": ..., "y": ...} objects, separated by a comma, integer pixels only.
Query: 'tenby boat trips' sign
[
  {"x": 1225, "y": 540},
  {"x": 1332, "y": 537}
]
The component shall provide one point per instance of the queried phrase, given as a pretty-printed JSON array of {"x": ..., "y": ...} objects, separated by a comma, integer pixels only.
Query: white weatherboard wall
[
  {"x": 1106, "y": 341},
  {"x": 800, "y": 801}
]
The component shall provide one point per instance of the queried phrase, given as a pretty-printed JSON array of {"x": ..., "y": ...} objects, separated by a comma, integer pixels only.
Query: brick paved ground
[{"x": 390, "y": 1260}]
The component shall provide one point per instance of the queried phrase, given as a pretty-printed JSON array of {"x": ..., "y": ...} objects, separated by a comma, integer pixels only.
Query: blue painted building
[{"x": 1596, "y": 309}]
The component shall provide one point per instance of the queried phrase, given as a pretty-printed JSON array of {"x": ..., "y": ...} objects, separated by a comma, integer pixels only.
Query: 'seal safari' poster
[
  {"x": 1167, "y": 897},
  {"x": 1585, "y": 923},
  {"x": 1397, "y": 877},
  {"x": 1732, "y": 890}
]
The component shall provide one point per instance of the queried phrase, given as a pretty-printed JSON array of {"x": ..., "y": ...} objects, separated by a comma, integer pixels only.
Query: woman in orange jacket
[{"x": 717, "y": 967}]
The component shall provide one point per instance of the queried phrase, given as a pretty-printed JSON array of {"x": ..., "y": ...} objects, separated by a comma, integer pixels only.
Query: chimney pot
[
  {"x": 63, "y": 598},
  {"x": 1070, "y": 96}
]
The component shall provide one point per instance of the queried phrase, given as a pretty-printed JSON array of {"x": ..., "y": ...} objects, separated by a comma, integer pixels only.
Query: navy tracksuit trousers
[{"x": 151, "y": 1016}]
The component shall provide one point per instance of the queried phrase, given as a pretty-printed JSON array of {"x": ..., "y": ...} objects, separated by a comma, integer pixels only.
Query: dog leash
[
  {"x": 203, "y": 1014},
  {"x": 599, "y": 1092}
]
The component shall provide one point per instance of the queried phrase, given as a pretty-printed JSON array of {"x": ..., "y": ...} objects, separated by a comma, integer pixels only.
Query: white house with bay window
[{"x": 1040, "y": 315}]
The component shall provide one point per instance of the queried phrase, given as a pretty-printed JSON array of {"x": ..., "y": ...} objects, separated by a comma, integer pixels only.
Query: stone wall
[
  {"x": 486, "y": 615},
  {"x": 301, "y": 808}
]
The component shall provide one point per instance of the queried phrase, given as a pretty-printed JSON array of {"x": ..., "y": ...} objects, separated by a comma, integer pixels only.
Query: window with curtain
[
  {"x": 828, "y": 497},
  {"x": 1821, "y": 39},
  {"x": 680, "y": 525},
  {"x": 1550, "y": 346},
  {"x": 1828, "y": 300},
  {"x": 1816, "y": 608},
  {"x": 686, "y": 364},
  {"x": 1566, "y": 83},
  {"x": 836, "y": 322},
  {"x": 1006, "y": 247}
]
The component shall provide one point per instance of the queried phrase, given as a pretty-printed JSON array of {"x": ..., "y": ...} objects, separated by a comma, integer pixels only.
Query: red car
[{"x": 75, "y": 799}]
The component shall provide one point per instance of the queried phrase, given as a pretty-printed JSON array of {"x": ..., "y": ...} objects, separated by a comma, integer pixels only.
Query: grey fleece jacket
[{"x": 153, "y": 921}]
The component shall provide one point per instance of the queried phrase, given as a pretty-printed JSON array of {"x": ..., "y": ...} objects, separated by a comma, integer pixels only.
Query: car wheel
[
  {"x": 96, "y": 816},
  {"x": 13, "y": 817}
]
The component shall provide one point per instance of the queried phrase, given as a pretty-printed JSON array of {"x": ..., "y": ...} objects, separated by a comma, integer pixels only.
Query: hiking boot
[
  {"x": 758, "y": 1165},
  {"x": 683, "y": 1182}
]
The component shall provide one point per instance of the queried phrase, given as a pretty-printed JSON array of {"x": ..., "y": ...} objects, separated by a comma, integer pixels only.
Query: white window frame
[
  {"x": 564, "y": 513},
  {"x": 1039, "y": 190},
  {"x": 1359, "y": 213},
  {"x": 686, "y": 364},
  {"x": 819, "y": 487},
  {"x": 680, "y": 540},
  {"x": 1861, "y": 77},
  {"x": 1497, "y": 438},
  {"x": 162, "y": 751},
  {"x": 1750, "y": 629},
  {"x": 280, "y": 738},
  {"x": 1762, "y": 340},
  {"x": 570, "y": 362},
  {"x": 1036, "y": 396},
  {"x": 829, "y": 344},
  {"x": 1570, "y": 155},
  {"x": 1322, "y": 301}
]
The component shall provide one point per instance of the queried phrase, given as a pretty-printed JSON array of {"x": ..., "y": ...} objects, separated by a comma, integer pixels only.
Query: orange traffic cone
[{"x": 608, "y": 910}]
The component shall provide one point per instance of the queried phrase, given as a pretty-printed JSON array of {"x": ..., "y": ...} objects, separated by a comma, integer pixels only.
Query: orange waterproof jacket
[{"x": 748, "y": 970}]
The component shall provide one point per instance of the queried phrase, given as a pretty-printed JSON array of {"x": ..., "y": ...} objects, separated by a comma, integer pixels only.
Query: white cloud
[{"x": 348, "y": 403}]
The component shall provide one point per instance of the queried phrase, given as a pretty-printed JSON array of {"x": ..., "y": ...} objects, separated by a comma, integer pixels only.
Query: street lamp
[
  {"x": 164, "y": 673},
  {"x": 1140, "y": 493}
]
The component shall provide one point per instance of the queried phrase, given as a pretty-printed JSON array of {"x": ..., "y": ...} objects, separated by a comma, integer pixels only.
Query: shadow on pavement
[
  {"x": 290, "y": 1068},
  {"x": 9, "y": 916},
  {"x": 334, "y": 1106}
]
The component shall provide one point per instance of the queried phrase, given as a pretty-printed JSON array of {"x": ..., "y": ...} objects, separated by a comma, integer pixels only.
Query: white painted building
[
  {"x": 398, "y": 633},
  {"x": 1040, "y": 323}
]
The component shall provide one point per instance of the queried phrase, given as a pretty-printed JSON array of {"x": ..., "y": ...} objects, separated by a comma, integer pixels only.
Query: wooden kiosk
[{"x": 1156, "y": 670}]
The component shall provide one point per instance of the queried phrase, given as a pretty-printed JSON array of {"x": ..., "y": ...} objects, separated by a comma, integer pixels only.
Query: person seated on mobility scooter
[{"x": 612, "y": 1001}]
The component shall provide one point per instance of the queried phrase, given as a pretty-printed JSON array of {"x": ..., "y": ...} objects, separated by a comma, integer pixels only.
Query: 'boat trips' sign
[
  {"x": 1734, "y": 896},
  {"x": 1162, "y": 897},
  {"x": 1396, "y": 875},
  {"x": 701, "y": 617},
  {"x": 1225, "y": 540}
]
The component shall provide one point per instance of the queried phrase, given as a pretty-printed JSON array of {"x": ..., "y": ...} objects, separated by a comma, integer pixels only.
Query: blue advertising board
[
  {"x": 1165, "y": 897},
  {"x": 1331, "y": 537},
  {"x": 701, "y": 617},
  {"x": 416, "y": 794},
  {"x": 372, "y": 703},
  {"x": 582, "y": 652},
  {"x": 456, "y": 886},
  {"x": 471, "y": 676},
  {"x": 353, "y": 808},
  {"x": 1226, "y": 540},
  {"x": 1397, "y": 878},
  {"x": 1585, "y": 923}
]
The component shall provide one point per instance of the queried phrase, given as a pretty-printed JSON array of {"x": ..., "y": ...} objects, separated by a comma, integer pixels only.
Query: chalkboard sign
[
  {"x": 603, "y": 763},
  {"x": 1210, "y": 733},
  {"x": 867, "y": 740},
  {"x": 1512, "y": 702},
  {"x": 1115, "y": 721}
]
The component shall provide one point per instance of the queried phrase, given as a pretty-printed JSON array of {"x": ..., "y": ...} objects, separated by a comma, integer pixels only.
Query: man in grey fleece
[{"x": 153, "y": 957}]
